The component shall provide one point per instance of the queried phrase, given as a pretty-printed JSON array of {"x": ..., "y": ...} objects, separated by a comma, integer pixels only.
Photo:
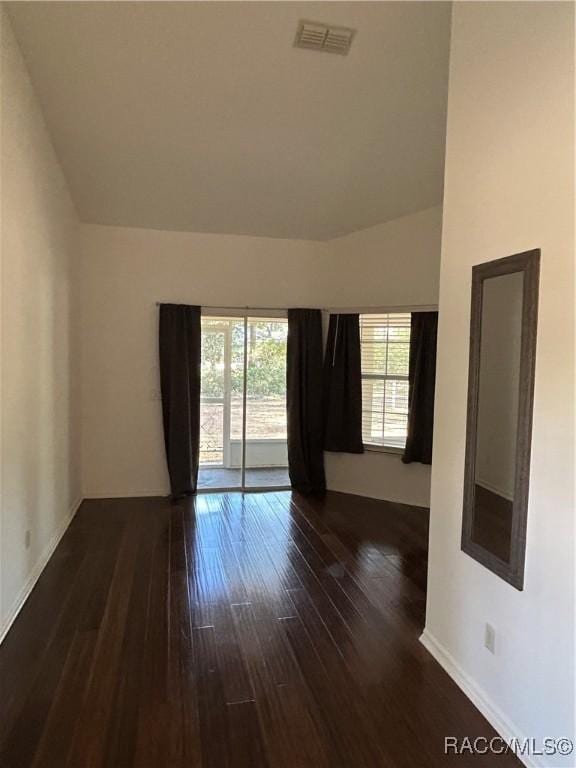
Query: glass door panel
[
  {"x": 266, "y": 450},
  {"x": 222, "y": 386}
]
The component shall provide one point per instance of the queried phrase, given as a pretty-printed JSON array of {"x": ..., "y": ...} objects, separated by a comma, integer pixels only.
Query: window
[{"x": 385, "y": 348}]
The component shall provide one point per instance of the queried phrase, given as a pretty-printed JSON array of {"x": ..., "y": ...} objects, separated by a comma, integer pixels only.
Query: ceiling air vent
[{"x": 320, "y": 37}]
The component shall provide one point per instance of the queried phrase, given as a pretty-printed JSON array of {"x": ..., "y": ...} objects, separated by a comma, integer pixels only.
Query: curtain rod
[{"x": 336, "y": 310}]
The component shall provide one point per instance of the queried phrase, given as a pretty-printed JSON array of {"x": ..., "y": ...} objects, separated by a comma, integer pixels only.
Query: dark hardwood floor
[
  {"x": 492, "y": 522},
  {"x": 233, "y": 630}
]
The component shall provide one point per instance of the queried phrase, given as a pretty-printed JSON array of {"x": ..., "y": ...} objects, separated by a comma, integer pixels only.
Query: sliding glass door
[
  {"x": 266, "y": 455},
  {"x": 243, "y": 440},
  {"x": 222, "y": 372}
]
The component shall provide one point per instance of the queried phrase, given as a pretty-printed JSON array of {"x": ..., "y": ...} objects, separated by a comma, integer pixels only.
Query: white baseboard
[
  {"x": 125, "y": 494},
  {"x": 477, "y": 696},
  {"x": 36, "y": 572},
  {"x": 383, "y": 497},
  {"x": 498, "y": 491}
]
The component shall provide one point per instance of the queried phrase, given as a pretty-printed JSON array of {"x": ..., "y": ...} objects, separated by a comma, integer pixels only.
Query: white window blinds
[{"x": 385, "y": 348}]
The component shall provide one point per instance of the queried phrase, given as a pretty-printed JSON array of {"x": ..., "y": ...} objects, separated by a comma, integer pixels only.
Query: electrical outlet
[
  {"x": 27, "y": 539},
  {"x": 490, "y": 638}
]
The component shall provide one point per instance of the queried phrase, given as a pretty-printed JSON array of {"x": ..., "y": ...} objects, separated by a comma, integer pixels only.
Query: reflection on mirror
[
  {"x": 498, "y": 390},
  {"x": 503, "y": 334}
]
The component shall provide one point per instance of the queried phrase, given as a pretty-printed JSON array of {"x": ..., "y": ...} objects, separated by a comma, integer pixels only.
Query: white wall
[
  {"x": 392, "y": 264},
  {"x": 39, "y": 451},
  {"x": 509, "y": 187},
  {"x": 125, "y": 271}
]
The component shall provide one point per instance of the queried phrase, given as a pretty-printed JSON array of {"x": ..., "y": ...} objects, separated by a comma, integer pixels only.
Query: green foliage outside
[{"x": 266, "y": 358}]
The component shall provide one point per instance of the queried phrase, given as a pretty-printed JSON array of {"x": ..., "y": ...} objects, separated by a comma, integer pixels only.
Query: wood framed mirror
[{"x": 503, "y": 327}]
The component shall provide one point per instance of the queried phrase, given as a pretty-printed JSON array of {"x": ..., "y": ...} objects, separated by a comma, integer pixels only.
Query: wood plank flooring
[{"x": 237, "y": 630}]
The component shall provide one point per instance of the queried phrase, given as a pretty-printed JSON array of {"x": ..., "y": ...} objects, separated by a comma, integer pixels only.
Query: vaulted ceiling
[{"x": 203, "y": 116}]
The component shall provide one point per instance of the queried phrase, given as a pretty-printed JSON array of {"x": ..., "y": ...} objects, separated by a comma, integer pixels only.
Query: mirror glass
[{"x": 497, "y": 424}]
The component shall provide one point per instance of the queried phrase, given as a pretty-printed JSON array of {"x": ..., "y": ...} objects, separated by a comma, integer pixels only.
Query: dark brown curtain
[
  {"x": 422, "y": 381},
  {"x": 343, "y": 386},
  {"x": 304, "y": 401},
  {"x": 180, "y": 343}
]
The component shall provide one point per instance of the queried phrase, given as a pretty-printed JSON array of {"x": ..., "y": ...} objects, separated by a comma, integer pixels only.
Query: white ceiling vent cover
[{"x": 320, "y": 37}]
